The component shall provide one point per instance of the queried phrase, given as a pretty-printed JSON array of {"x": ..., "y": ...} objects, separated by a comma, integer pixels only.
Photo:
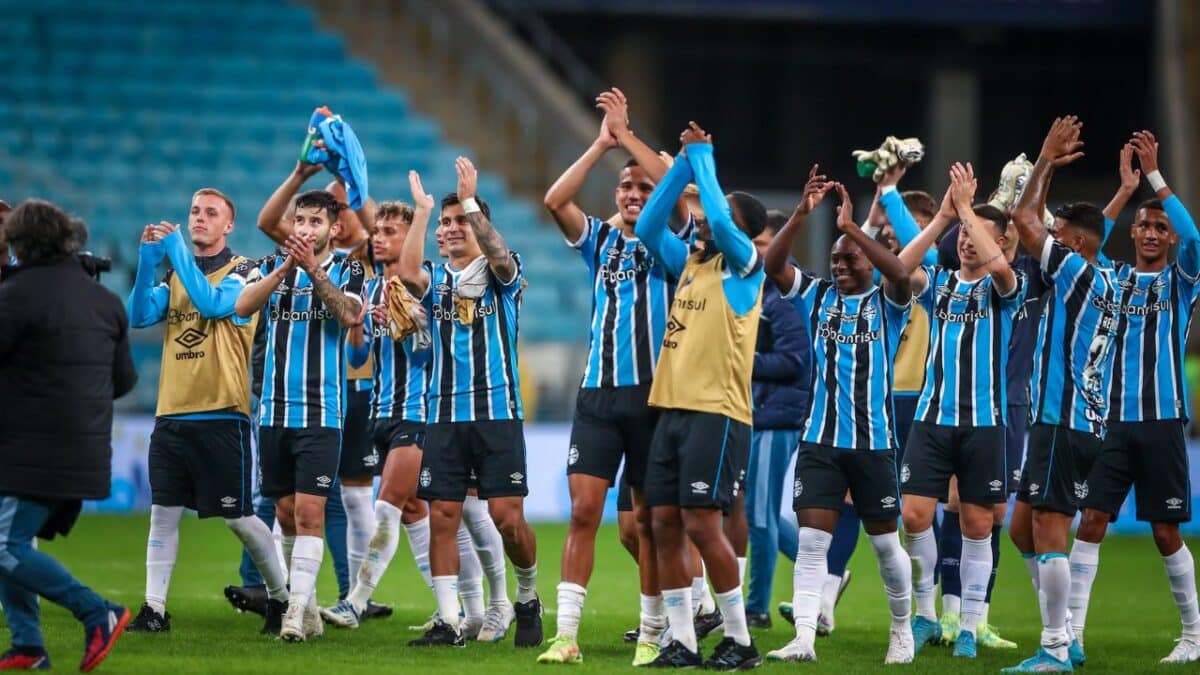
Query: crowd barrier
[{"x": 548, "y": 499}]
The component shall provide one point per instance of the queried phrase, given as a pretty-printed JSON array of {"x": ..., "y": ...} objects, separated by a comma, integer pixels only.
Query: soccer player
[
  {"x": 702, "y": 385},
  {"x": 849, "y": 442},
  {"x": 474, "y": 424},
  {"x": 959, "y": 427},
  {"x": 1145, "y": 444},
  {"x": 613, "y": 420},
  {"x": 1070, "y": 389},
  {"x": 313, "y": 296},
  {"x": 200, "y": 454}
]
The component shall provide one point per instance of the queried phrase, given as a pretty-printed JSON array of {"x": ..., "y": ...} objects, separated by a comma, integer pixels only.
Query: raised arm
[
  {"x": 734, "y": 244},
  {"x": 256, "y": 294},
  {"x": 213, "y": 302},
  {"x": 652, "y": 226},
  {"x": 916, "y": 252},
  {"x": 560, "y": 198},
  {"x": 499, "y": 258},
  {"x": 272, "y": 219},
  {"x": 1130, "y": 177},
  {"x": 1061, "y": 147},
  {"x": 147, "y": 303},
  {"x": 775, "y": 260},
  {"x": 896, "y": 281},
  {"x": 1146, "y": 147},
  {"x": 905, "y": 226},
  {"x": 412, "y": 254},
  {"x": 616, "y": 118},
  {"x": 991, "y": 256}
]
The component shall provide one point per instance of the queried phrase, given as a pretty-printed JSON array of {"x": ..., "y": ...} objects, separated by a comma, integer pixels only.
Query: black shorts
[
  {"x": 975, "y": 455},
  {"x": 624, "y": 495},
  {"x": 491, "y": 451},
  {"x": 391, "y": 432},
  {"x": 697, "y": 460},
  {"x": 611, "y": 423},
  {"x": 359, "y": 457},
  {"x": 1151, "y": 457},
  {"x": 1015, "y": 433},
  {"x": 1057, "y": 465},
  {"x": 298, "y": 460},
  {"x": 204, "y": 465},
  {"x": 824, "y": 474}
]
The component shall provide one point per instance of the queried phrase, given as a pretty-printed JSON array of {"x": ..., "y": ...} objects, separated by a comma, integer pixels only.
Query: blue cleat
[
  {"x": 925, "y": 632},
  {"x": 964, "y": 646},
  {"x": 1041, "y": 662},
  {"x": 1075, "y": 652}
]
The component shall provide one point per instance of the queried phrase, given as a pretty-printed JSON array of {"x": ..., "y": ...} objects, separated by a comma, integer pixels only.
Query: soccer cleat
[
  {"x": 925, "y": 632},
  {"x": 900, "y": 645},
  {"x": 949, "y": 621},
  {"x": 707, "y": 623},
  {"x": 150, "y": 621},
  {"x": 496, "y": 621},
  {"x": 274, "y": 619},
  {"x": 796, "y": 650},
  {"x": 470, "y": 626},
  {"x": 342, "y": 615},
  {"x": 964, "y": 646},
  {"x": 1075, "y": 653},
  {"x": 632, "y": 635},
  {"x": 675, "y": 655},
  {"x": 825, "y": 624},
  {"x": 25, "y": 658},
  {"x": 441, "y": 634},
  {"x": 1187, "y": 650},
  {"x": 786, "y": 611},
  {"x": 529, "y": 623},
  {"x": 313, "y": 625},
  {"x": 645, "y": 653},
  {"x": 989, "y": 638},
  {"x": 1041, "y": 662},
  {"x": 561, "y": 650},
  {"x": 376, "y": 610},
  {"x": 758, "y": 620},
  {"x": 98, "y": 638},
  {"x": 729, "y": 655},
  {"x": 427, "y": 625},
  {"x": 247, "y": 598},
  {"x": 291, "y": 629}
]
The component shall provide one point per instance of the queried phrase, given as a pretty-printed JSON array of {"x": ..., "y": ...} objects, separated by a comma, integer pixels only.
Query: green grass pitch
[{"x": 1133, "y": 620}]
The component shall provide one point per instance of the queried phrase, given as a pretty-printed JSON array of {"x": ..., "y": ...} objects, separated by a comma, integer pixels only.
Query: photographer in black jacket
[{"x": 64, "y": 357}]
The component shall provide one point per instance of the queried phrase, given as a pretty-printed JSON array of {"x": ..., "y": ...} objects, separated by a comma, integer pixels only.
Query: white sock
[
  {"x": 702, "y": 599},
  {"x": 829, "y": 593},
  {"x": 895, "y": 568},
  {"x": 446, "y": 590},
  {"x": 285, "y": 559},
  {"x": 258, "y": 542},
  {"x": 741, "y": 570},
  {"x": 1031, "y": 564},
  {"x": 470, "y": 575},
  {"x": 680, "y": 615},
  {"x": 380, "y": 551},
  {"x": 526, "y": 582},
  {"x": 1085, "y": 562},
  {"x": 570, "y": 607},
  {"x": 1181, "y": 573},
  {"x": 808, "y": 575},
  {"x": 490, "y": 547},
  {"x": 922, "y": 548},
  {"x": 418, "y": 541},
  {"x": 975, "y": 570},
  {"x": 360, "y": 524},
  {"x": 733, "y": 615},
  {"x": 307, "y": 553},
  {"x": 653, "y": 619},
  {"x": 951, "y": 604},
  {"x": 1054, "y": 575},
  {"x": 162, "y": 548},
  {"x": 983, "y": 616}
]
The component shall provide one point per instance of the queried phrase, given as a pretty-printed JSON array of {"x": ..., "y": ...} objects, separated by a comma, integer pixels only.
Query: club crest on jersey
[
  {"x": 1174, "y": 503},
  {"x": 1159, "y": 285},
  {"x": 868, "y": 311},
  {"x": 1081, "y": 490},
  {"x": 699, "y": 487},
  {"x": 573, "y": 455},
  {"x": 426, "y": 477},
  {"x": 797, "y": 488},
  {"x": 905, "y": 473},
  {"x": 979, "y": 292}
]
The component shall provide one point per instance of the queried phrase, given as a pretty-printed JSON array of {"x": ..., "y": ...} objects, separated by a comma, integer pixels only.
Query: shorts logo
[
  {"x": 573, "y": 455},
  {"x": 797, "y": 488},
  {"x": 426, "y": 478},
  {"x": 228, "y": 502},
  {"x": 1033, "y": 488},
  {"x": 1081, "y": 490},
  {"x": 516, "y": 477},
  {"x": 1016, "y": 475},
  {"x": 905, "y": 473},
  {"x": 996, "y": 485},
  {"x": 699, "y": 487},
  {"x": 1174, "y": 503},
  {"x": 324, "y": 481},
  {"x": 371, "y": 459},
  {"x": 888, "y": 502},
  {"x": 736, "y": 484}
]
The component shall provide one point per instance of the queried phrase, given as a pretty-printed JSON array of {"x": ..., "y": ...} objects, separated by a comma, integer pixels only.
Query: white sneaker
[
  {"x": 1187, "y": 650},
  {"x": 796, "y": 650},
  {"x": 900, "y": 644},
  {"x": 825, "y": 624},
  {"x": 313, "y": 625},
  {"x": 293, "y": 623},
  {"x": 470, "y": 627},
  {"x": 496, "y": 621}
]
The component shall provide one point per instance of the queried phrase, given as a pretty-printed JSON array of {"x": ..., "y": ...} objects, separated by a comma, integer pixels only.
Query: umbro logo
[
  {"x": 700, "y": 487},
  {"x": 1174, "y": 503},
  {"x": 190, "y": 338},
  {"x": 1033, "y": 488},
  {"x": 516, "y": 477},
  {"x": 441, "y": 289},
  {"x": 426, "y": 478},
  {"x": 228, "y": 502},
  {"x": 996, "y": 485},
  {"x": 888, "y": 502},
  {"x": 573, "y": 455},
  {"x": 324, "y": 481},
  {"x": 371, "y": 459}
]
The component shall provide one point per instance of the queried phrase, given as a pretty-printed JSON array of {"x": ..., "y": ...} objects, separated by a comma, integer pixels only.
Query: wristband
[
  {"x": 470, "y": 205},
  {"x": 1156, "y": 180},
  {"x": 871, "y": 230},
  {"x": 886, "y": 189}
]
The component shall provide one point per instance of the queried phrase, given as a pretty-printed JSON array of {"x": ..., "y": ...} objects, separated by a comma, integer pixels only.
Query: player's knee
[
  {"x": 310, "y": 517},
  {"x": 585, "y": 517},
  {"x": 1166, "y": 537},
  {"x": 509, "y": 522},
  {"x": 915, "y": 518}
]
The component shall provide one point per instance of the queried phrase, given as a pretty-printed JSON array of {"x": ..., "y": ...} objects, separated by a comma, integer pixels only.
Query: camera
[{"x": 94, "y": 265}]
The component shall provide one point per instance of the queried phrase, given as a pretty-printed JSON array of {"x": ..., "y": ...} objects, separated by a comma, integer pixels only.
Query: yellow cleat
[
  {"x": 646, "y": 653},
  {"x": 561, "y": 650},
  {"x": 988, "y": 637}
]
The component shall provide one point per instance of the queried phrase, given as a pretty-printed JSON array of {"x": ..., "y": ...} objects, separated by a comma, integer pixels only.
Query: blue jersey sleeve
[
  {"x": 936, "y": 277},
  {"x": 1189, "y": 239},
  {"x": 906, "y": 227},
  {"x": 737, "y": 248},
  {"x": 652, "y": 226},
  {"x": 213, "y": 302},
  {"x": 586, "y": 244},
  {"x": 147, "y": 304},
  {"x": 1062, "y": 265}
]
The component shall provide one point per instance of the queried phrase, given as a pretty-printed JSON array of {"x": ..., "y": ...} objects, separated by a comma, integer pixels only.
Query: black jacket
[
  {"x": 64, "y": 357},
  {"x": 782, "y": 362}
]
